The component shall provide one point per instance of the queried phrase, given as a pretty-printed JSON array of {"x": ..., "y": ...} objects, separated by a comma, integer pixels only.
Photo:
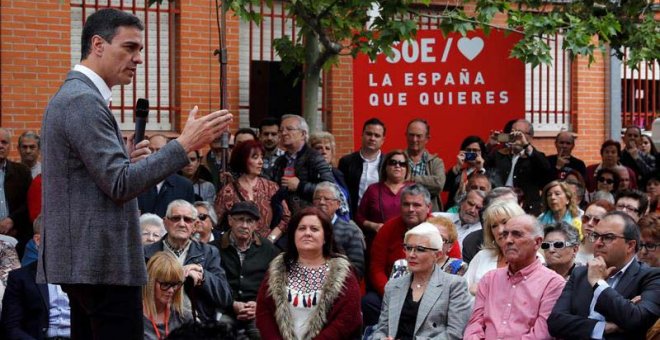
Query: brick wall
[{"x": 34, "y": 59}]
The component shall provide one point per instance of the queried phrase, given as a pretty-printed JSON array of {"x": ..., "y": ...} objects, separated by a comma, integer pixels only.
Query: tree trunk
[{"x": 311, "y": 82}]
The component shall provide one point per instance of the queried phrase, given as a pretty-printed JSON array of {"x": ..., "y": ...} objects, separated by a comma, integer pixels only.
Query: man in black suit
[
  {"x": 16, "y": 180},
  {"x": 615, "y": 296},
  {"x": 174, "y": 187},
  {"x": 563, "y": 161},
  {"x": 34, "y": 310},
  {"x": 361, "y": 167}
]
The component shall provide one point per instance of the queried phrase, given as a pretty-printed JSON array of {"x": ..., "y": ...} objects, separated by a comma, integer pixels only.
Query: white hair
[
  {"x": 148, "y": 219},
  {"x": 429, "y": 231},
  {"x": 301, "y": 121},
  {"x": 181, "y": 204}
]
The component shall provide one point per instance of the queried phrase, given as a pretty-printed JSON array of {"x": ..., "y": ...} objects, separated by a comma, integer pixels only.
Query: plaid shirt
[{"x": 419, "y": 169}]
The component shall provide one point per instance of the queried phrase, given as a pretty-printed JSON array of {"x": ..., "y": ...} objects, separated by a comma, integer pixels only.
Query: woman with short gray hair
[
  {"x": 560, "y": 246},
  {"x": 152, "y": 228}
]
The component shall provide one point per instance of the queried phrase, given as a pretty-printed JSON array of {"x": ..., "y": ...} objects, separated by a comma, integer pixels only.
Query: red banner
[{"x": 461, "y": 85}]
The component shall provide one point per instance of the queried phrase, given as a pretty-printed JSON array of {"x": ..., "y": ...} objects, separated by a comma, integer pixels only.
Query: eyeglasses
[
  {"x": 394, "y": 162},
  {"x": 605, "y": 180},
  {"x": 289, "y": 129},
  {"x": 165, "y": 286},
  {"x": 629, "y": 208},
  {"x": 202, "y": 217},
  {"x": 649, "y": 246},
  {"x": 418, "y": 249},
  {"x": 177, "y": 218},
  {"x": 555, "y": 244},
  {"x": 321, "y": 198},
  {"x": 586, "y": 219},
  {"x": 607, "y": 238}
]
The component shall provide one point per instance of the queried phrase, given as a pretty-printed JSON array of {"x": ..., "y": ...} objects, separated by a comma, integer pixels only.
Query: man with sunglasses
[
  {"x": 633, "y": 202},
  {"x": 207, "y": 291},
  {"x": 596, "y": 302}
]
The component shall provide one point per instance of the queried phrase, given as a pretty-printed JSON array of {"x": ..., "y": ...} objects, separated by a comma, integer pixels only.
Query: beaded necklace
[{"x": 305, "y": 284}]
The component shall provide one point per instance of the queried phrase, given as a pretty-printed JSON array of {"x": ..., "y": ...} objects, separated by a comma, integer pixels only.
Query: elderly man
[
  {"x": 386, "y": 248},
  {"x": 301, "y": 167},
  {"x": 632, "y": 202},
  {"x": 514, "y": 302},
  {"x": 348, "y": 236},
  {"x": 208, "y": 292},
  {"x": 361, "y": 167},
  {"x": 245, "y": 257},
  {"x": 29, "y": 146},
  {"x": 522, "y": 166},
  {"x": 427, "y": 169},
  {"x": 15, "y": 179},
  {"x": 615, "y": 296},
  {"x": 467, "y": 218},
  {"x": 564, "y": 161},
  {"x": 634, "y": 158}
]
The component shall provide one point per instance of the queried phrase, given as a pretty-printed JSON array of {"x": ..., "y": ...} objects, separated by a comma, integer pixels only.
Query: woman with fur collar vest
[{"x": 310, "y": 291}]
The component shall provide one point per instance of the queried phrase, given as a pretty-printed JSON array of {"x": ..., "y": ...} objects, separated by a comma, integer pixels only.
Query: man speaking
[{"x": 91, "y": 237}]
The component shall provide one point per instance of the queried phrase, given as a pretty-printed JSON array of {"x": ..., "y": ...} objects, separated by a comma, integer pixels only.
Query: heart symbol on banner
[{"x": 470, "y": 48}]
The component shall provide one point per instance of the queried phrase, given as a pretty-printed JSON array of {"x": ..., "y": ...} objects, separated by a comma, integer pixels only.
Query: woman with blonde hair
[
  {"x": 162, "y": 296},
  {"x": 559, "y": 206},
  {"x": 491, "y": 256}
]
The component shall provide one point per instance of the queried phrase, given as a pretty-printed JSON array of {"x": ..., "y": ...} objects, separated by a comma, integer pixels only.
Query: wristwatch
[
  {"x": 600, "y": 282},
  {"x": 272, "y": 238}
]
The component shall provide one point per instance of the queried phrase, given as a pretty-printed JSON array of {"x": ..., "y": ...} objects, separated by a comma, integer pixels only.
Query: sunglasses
[
  {"x": 202, "y": 217},
  {"x": 394, "y": 162},
  {"x": 555, "y": 245},
  {"x": 418, "y": 249},
  {"x": 165, "y": 286},
  {"x": 605, "y": 180},
  {"x": 586, "y": 219},
  {"x": 177, "y": 218}
]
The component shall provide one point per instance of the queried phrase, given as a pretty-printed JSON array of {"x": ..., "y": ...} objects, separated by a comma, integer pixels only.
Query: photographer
[{"x": 468, "y": 161}]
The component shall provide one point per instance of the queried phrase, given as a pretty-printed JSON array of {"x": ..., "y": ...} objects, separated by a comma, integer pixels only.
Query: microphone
[{"x": 141, "y": 114}]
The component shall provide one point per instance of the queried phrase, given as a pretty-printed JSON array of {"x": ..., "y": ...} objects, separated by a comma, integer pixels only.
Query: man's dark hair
[
  {"x": 474, "y": 139},
  {"x": 29, "y": 134},
  {"x": 637, "y": 195},
  {"x": 374, "y": 121},
  {"x": 105, "y": 23},
  {"x": 209, "y": 330},
  {"x": 246, "y": 131},
  {"x": 269, "y": 121},
  {"x": 630, "y": 228}
]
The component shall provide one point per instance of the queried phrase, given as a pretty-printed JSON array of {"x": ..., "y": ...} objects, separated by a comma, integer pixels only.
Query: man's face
[
  {"x": 373, "y": 137},
  {"x": 269, "y": 136},
  {"x": 243, "y": 137},
  {"x": 613, "y": 248},
  {"x": 650, "y": 257},
  {"x": 325, "y": 200},
  {"x": 119, "y": 59},
  {"x": 292, "y": 136},
  {"x": 479, "y": 183},
  {"x": 564, "y": 144},
  {"x": 242, "y": 226},
  {"x": 610, "y": 155},
  {"x": 156, "y": 143},
  {"x": 629, "y": 206},
  {"x": 180, "y": 223},
  {"x": 29, "y": 150},
  {"x": 414, "y": 210},
  {"x": 417, "y": 137},
  {"x": 519, "y": 242},
  {"x": 5, "y": 145},
  {"x": 469, "y": 209},
  {"x": 633, "y": 135}
]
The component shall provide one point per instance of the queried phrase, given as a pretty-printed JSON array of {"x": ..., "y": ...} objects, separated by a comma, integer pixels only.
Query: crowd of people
[{"x": 275, "y": 236}]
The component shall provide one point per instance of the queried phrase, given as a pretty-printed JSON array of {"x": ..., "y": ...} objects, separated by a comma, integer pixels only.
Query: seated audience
[
  {"x": 348, "y": 236},
  {"x": 592, "y": 215},
  {"x": 247, "y": 161},
  {"x": 575, "y": 182},
  {"x": 492, "y": 255},
  {"x": 466, "y": 219},
  {"x": 427, "y": 303},
  {"x": 310, "y": 291},
  {"x": 449, "y": 235},
  {"x": 324, "y": 143},
  {"x": 152, "y": 228},
  {"x": 649, "y": 228},
  {"x": 33, "y": 310},
  {"x": 653, "y": 191},
  {"x": 559, "y": 205},
  {"x": 627, "y": 180},
  {"x": 162, "y": 296},
  {"x": 207, "y": 292},
  {"x": 607, "y": 180},
  {"x": 633, "y": 202},
  {"x": 206, "y": 223},
  {"x": 610, "y": 154},
  {"x": 597, "y": 301},
  {"x": 633, "y": 156},
  {"x": 514, "y": 302},
  {"x": 245, "y": 258},
  {"x": 560, "y": 245}
]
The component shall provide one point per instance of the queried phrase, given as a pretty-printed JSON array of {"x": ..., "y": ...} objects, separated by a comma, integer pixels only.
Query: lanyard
[{"x": 167, "y": 321}]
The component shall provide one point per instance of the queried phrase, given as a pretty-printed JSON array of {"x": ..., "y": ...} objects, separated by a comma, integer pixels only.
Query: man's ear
[{"x": 97, "y": 45}]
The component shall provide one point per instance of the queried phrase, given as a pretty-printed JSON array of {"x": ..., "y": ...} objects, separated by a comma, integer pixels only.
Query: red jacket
[{"x": 386, "y": 249}]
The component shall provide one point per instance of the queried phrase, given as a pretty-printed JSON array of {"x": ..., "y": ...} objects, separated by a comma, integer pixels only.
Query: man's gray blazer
[
  {"x": 90, "y": 230},
  {"x": 443, "y": 311}
]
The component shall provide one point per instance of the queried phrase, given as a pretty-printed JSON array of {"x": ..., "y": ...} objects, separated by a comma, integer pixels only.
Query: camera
[
  {"x": 503, "y": 138},
  {"x": 470, "y": 156}
]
